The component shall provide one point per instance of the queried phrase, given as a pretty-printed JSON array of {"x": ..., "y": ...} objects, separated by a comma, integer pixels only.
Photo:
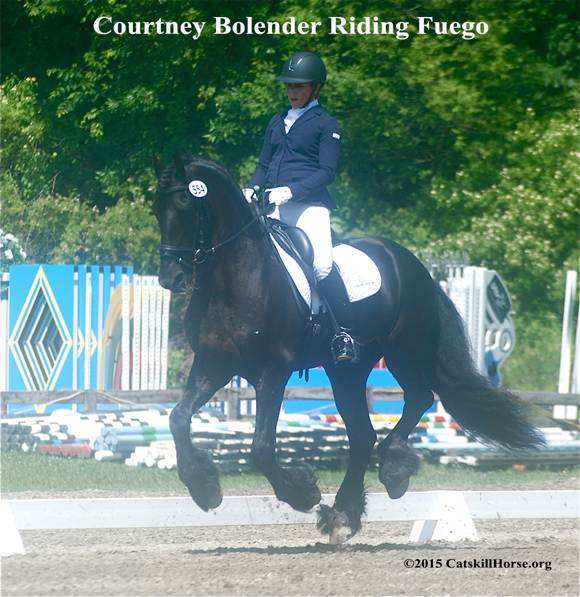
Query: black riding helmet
[{"x": 303, "y": 67}]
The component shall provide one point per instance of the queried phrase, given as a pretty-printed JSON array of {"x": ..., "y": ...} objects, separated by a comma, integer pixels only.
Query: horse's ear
[
  {"x": 179, "y": 167},
  {"x": 158, "y": 167}
]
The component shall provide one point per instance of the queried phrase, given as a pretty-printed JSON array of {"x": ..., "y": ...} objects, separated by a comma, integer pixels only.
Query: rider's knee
[{"x": 322, "y": 266}]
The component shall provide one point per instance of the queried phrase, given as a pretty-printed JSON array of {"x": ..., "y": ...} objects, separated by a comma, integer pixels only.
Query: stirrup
[{"x": 345, "y": 350}]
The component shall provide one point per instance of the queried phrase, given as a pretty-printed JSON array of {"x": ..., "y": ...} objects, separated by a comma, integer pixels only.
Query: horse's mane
[
  {"x": 217, "y": 168},
  {"x": 217, "y": 171}
]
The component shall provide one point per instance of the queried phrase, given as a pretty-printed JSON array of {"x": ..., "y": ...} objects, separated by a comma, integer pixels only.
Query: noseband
[
  {"x": 183, "y": 255},
  {"x": 190, "y": 256}
]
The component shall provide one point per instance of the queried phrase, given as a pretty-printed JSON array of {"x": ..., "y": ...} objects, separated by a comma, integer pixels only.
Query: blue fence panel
[{"x": 57, "y": 336}]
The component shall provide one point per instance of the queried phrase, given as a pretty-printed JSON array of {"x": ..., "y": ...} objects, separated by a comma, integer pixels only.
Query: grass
[{"x": 23, "y": 471}]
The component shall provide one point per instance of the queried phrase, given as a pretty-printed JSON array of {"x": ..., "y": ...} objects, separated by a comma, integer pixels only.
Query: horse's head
[
  {"x": 194, "y": 196},
  {"x": 177, "y": 211}
]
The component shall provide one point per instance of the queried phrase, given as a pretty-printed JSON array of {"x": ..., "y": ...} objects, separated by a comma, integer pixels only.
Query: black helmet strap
[{"x": 314, "y": 84}]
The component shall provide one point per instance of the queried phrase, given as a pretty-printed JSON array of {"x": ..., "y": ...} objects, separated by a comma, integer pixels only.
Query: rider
[{"x": 299, "y": 160}]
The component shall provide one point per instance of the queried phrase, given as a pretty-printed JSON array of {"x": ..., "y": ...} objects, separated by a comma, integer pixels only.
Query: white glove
[
  {"x": 249, "y": 194},
  {"x": 280, "y": 195}
]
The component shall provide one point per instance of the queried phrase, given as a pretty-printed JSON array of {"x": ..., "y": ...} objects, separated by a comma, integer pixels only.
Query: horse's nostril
[
  {"x": 173, "y": 279},
  {"x": 179, "y": 281}
]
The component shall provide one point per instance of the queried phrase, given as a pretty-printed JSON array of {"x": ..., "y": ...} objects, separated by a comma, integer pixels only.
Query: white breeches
[{"x": 315, "y": 221}]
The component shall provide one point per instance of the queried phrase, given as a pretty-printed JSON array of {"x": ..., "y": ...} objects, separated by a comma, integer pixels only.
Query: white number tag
[{"x": 197, "y": 188}]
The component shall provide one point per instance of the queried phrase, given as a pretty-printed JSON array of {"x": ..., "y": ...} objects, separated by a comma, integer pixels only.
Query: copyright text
[{"x": 474, "y": 563}]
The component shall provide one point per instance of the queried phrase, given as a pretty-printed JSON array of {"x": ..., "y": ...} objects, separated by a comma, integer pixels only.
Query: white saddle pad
[{"x": 360, "y": 274}]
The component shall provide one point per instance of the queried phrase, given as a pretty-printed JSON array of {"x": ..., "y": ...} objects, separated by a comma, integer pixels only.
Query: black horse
[{"x": 243, "y": 319}]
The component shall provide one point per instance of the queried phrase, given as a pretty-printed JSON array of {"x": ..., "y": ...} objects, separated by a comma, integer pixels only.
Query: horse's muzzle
[{"x": 173, "y": 277}]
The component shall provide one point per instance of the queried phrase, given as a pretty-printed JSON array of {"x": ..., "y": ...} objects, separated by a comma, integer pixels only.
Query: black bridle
[{"x": 190, "y": 256}]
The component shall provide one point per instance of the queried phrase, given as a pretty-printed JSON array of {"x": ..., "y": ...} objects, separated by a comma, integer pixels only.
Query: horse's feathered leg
[
  {"x": 196, "y": 469},
  {"x": 397, "y": 460},
  {"x": 349, "y": 388},
  {"x": 296, "y": 486}
]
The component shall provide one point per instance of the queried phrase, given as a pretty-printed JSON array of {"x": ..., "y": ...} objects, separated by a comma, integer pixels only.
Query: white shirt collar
[{"x": 294, "y": 114}]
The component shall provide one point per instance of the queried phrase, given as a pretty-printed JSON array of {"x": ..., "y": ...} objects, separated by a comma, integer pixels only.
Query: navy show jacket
[{"x": 305, "y": 159}]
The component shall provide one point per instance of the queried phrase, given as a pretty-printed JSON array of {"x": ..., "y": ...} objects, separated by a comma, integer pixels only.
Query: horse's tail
[{"x": 491, "y": 414}]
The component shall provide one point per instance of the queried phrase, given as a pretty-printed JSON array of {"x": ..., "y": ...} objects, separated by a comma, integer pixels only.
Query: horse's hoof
[
  {"x": 304, "y": 502},
  {"x": 207, "y": 503},
  {"x": 341, "y": 533},
  {"x": 208, "y": 497},
  {"x": 395, "y": 484},
  {"x": 398, "y": 462},
  {"x": 397, "y": 491},
  {"x": 334, "y": 524},
  {"x": 309, "y": 501},
  {"x": 300, "y": 489}
]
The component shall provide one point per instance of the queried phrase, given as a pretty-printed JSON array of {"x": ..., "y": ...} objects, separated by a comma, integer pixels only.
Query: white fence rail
[{"x": 260, "y": 510}]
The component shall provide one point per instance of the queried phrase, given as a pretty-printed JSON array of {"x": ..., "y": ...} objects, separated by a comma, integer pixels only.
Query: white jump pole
[
  {"x": 88, "y": 328},
  {"x": 145, "y": 333},
  {"x": 165, "y": 337},
  {"x": 158, "y": 335},
  {"x": 566, "y": 350},
  {"x": 135, "y": 385},
  {"x": 126, "y": 330},
  {"x": 152, "y": 315},
  {"x": 576, "y": 369}
]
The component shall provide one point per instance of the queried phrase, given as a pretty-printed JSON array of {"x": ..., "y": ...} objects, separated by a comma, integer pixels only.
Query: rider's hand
[
  {"x": 280, "y": 195},
  {"x": 249, "y": 194}
]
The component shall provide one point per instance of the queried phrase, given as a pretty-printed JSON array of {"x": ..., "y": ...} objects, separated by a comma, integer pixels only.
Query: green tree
[
  {"x": 529, "y": 220},
  {"x": 53, "y": 228},
  {"x": 410, "y": 108}
]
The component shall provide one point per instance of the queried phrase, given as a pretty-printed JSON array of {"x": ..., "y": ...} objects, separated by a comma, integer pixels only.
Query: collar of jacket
[{"x": 308, "y": 115}]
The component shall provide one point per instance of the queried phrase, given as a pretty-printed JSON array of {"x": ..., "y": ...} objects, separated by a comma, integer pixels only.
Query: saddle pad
[{"x": 360, "y": 274}]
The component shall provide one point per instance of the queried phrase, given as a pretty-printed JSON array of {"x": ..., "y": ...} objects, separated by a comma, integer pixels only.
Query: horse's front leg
[
  {"x": 296, "y": 486},
  {"x": 196, "y": 469}
]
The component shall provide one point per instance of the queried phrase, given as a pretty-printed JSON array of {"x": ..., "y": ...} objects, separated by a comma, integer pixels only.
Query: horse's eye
[{"x": 184, "y": 201}]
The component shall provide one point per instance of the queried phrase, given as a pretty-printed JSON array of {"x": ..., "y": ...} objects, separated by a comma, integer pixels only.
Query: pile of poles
[{"x": 143, "y": 438}]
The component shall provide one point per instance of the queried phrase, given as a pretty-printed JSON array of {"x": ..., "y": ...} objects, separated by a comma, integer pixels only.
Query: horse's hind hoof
[
  {"x": 398, "y": 462},
  {"x": 397, "y": 491},
  {"x": 395, "y": 482}
]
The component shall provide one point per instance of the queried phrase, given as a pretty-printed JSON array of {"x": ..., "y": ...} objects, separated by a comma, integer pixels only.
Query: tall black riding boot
[{"x": 344, "y": 347}]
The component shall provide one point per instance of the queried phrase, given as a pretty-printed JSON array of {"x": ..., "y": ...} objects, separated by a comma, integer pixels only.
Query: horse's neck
[
  {"x": 228, "y": 218},
  {"x": 247, "y": 261}
]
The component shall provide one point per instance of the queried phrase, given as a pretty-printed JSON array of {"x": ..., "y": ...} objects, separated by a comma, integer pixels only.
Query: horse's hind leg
[
  {"x": 397, "y": 460},
  {"x": 196, "y": 469},
  {"x": 349, "y": 387},
  {"x": 296, "y": 486}
]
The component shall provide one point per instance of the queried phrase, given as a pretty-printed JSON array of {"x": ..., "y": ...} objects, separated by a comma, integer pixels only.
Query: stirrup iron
[{"x": 345, "y": 350}]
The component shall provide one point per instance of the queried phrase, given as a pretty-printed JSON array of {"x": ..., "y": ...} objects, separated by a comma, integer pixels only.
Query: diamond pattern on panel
[{"x": 40, "y": 341}]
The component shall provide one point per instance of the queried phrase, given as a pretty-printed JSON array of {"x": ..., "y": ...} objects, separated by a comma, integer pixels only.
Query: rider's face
[{"x": 298, "y": 93}]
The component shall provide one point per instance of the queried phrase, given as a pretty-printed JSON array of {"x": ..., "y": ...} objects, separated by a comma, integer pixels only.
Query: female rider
[{"x": 299, "y": 160}]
